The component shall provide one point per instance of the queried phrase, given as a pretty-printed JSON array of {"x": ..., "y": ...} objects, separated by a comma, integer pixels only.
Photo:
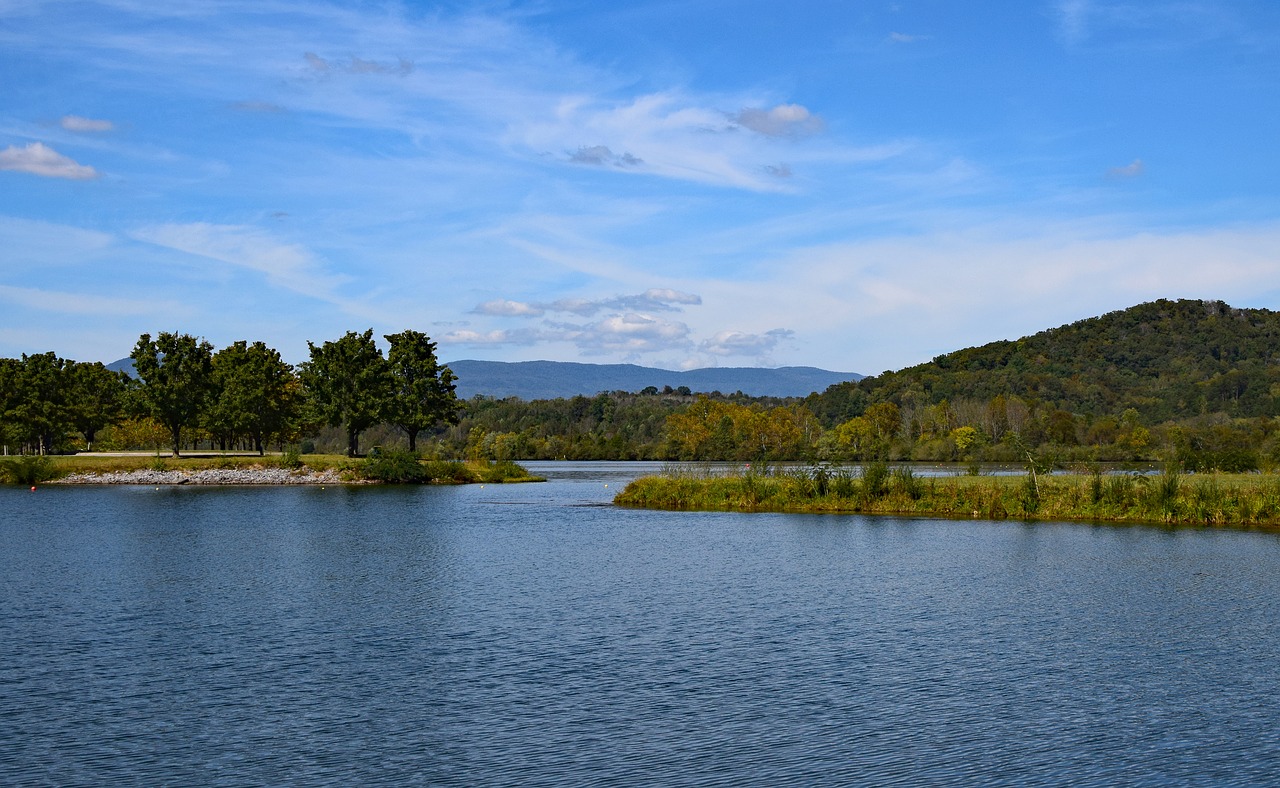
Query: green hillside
[{"x": 1166, "y": 360}]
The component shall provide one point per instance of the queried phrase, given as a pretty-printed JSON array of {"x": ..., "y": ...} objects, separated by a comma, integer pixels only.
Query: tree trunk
[
  {"x": 257, "y": 443},
  {"x": 176, "y": 432},
  {"x": 413, "y": 440},
  {"x": 353, "y": 442}
]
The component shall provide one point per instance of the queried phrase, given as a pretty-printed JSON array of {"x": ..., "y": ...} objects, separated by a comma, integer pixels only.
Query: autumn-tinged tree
[
  {"x": 176, "y": 371},
  {"x": 422, "y": 389},
  {"x": 349, "y": 384}
]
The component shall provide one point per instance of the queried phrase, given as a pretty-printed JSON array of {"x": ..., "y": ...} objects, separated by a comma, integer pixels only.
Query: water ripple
[{"x": 528, "y": 635}]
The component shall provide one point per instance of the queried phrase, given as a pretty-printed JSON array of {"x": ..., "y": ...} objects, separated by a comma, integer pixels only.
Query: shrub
[
  {"x": 394, "y": 466},
  {"x": 28, "y": 469},
  {"x": 290, "y": 459},
  {"x": 448, "y": 471}
]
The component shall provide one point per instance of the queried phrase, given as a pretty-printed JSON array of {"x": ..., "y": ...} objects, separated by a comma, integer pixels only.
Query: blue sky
[{"x": 853, "y": 185}]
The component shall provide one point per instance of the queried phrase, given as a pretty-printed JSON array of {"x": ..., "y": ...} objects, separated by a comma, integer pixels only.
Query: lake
[{"x": 536, "y": 635}]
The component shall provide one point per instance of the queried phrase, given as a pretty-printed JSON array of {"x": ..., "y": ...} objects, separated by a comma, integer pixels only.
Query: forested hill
[
  {"x": 1165, "y": 359},
  {"x": 530, "y": 380}
]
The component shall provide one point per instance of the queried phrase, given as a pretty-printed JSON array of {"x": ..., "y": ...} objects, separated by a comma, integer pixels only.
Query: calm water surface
[{"x": 534, "y": 635}]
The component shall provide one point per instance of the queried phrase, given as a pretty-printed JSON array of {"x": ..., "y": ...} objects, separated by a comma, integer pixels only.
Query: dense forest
[{"x": 1193, "y": 382}]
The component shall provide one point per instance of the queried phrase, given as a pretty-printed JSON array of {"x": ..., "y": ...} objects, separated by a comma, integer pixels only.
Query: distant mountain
[
  {"x": 123, "y": 365},
  {"x": 531, "y": 380}
]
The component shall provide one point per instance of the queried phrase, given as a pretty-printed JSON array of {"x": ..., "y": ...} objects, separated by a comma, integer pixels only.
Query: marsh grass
[{"x": 1249, "y": 500}]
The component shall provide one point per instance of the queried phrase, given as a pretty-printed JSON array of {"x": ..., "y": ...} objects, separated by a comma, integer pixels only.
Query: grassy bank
[
  {"x": 395, "y": 468},
  {"x": 1240, "y": 500}
]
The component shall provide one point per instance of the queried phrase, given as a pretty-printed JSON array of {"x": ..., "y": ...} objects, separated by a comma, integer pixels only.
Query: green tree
[
  {"x": 257, "y": 393},
  {"x": 423, "y": 393},
  {"x": 176, "y": 371},
  {"x": 349, "y": 384},
  {"x": 10, "y": 396},
  {"x": 96, "y": 397},
  {"x": 40, "y": 412}
]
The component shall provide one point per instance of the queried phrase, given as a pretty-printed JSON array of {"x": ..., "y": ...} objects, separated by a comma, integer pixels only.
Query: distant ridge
[{"x": 531, "y": 380}]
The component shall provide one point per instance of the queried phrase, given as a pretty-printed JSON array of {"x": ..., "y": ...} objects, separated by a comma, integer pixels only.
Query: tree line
[
  {"x": 244, "y": 392},
  {"x": 717, "y": 427}
]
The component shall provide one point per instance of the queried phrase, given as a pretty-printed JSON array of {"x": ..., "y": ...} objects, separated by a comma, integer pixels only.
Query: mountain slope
[{"x": 1165, "y": 359}]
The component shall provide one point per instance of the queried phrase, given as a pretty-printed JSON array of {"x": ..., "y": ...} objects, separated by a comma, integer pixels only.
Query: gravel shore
[{"x": 209, "y": 476}]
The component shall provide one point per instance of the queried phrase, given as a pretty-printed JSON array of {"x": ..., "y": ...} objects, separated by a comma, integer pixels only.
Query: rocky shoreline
[{"x": 210, "y": 476}]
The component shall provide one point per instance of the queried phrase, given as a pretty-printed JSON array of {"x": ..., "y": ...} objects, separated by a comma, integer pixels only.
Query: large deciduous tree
[
  {"x": 258, "y": 394},
  {"x": 96, "y": 397},
  {"x": 423, "y": 393},
  {"x": 176, "y": 371},
  {"x": 349, "y": 384},
  {"x": 41, "y": 410}
]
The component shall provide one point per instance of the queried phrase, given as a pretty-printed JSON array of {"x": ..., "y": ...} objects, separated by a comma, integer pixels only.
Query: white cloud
[
  {"x": 39, "y": 159},
  {"x": 906, "y": 38},
  {"x": 504, "y": 308},
  {"x": 673, "y": 135},
  {"x": 784, "y": 120},
  {"x": 85, "y": 125},
  {"x": 490, "y": 338},
  {"x": 738, "y": 343},
  {"x": 651, "y": 300},
  {"x": 629, "y": 333}
]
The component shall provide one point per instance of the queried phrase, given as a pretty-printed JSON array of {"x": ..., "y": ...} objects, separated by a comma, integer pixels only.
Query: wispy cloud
[
  {"x": 784, "y": 120},
  {"x": 1073, "y": 19},
  {"x": 652, "y": 300},
  {"x": 289, "y": 266},
  {"x": 263, "y": 107},
  {"x": 907, "y": 38},
  {"x": 503, "y": 308},
  {"x": 355, "y": 65},
  {"x": 1131, "y": 170},
  {"x": 739, "y": 343},
  {"x": 39, "y": 159},
  {"x": 627, "y": 334},
  {"x": 85, "y": 125},
  {"x": 601, "y": 155},
  {"x": 82, "y": 303}
]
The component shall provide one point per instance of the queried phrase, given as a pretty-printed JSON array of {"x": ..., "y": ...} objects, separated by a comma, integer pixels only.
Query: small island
[
  {"x": 383, "y": 467},
  {"x": 1169, "y": 496}
]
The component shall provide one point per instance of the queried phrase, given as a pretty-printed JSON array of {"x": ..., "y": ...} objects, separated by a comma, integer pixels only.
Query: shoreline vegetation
[
  {"x": 390, "y": 467},
  {"x": 1169, "y": 497}
]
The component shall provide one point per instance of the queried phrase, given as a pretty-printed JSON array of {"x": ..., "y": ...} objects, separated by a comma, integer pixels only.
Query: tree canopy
[
  {"x": 422, "y": 390},
  {"x": 176, "y": 371},
  {"x": 349, "y": 383}
]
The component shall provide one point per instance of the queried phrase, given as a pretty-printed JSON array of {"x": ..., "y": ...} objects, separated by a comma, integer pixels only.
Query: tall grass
[{"x": 1169, "y": 497}]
